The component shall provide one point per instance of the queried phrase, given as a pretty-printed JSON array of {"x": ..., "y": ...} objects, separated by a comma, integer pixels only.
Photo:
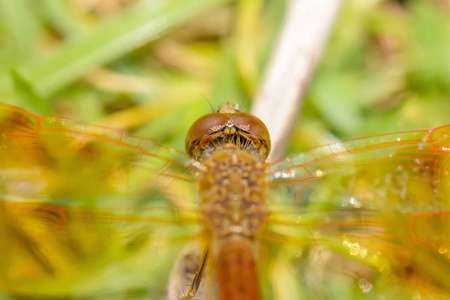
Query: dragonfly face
[
  {"x": 227, "y": 128},
  {"x": 91, "y": 212}
]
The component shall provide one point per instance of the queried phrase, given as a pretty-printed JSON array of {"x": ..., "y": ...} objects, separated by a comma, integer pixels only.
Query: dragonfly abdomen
[{"x": 236, "y": 269}]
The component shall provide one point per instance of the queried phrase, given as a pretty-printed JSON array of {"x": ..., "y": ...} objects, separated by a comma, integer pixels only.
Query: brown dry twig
[{"x": 302, "y": 40}]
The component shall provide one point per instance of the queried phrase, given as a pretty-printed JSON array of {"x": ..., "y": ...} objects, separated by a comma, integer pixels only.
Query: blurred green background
[{"x": 151, "y": 67}]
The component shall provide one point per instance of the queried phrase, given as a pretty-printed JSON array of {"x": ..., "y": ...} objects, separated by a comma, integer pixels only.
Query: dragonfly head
[{"x": 227, "y": 128}]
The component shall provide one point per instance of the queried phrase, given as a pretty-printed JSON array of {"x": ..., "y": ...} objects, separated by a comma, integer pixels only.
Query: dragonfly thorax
[{"x": 233, "y": 194}]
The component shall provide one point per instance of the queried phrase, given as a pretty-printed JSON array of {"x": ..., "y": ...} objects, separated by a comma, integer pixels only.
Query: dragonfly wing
[
  {"x": 79, "y": 202},
  {"x": 374, "y": 209}
]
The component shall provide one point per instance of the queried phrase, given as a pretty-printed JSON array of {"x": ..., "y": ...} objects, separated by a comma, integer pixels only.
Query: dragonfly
[{"x": 88, "y": 212}]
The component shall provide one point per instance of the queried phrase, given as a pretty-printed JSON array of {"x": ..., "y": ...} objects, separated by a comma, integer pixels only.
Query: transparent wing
[
  {"x": 365, "y": 218},
  {"x": 86, "y": 210}
]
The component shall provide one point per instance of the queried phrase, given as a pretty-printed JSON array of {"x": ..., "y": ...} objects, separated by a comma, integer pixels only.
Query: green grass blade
[{"x": 135, "y": 27}]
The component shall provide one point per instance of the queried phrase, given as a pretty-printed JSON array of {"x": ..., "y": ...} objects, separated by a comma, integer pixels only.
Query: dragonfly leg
[
  {"x": 198, "y": 276},
  {"x": 184, "y": 269}
]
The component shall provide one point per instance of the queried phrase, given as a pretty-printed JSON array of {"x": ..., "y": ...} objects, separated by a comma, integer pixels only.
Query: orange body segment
[{"x": 236, "y": 270}]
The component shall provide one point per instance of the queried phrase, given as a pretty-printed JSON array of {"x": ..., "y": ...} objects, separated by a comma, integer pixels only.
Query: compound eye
[
  {"x": 204, "y": 126},
  {"x": 253, "y": 125}
]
